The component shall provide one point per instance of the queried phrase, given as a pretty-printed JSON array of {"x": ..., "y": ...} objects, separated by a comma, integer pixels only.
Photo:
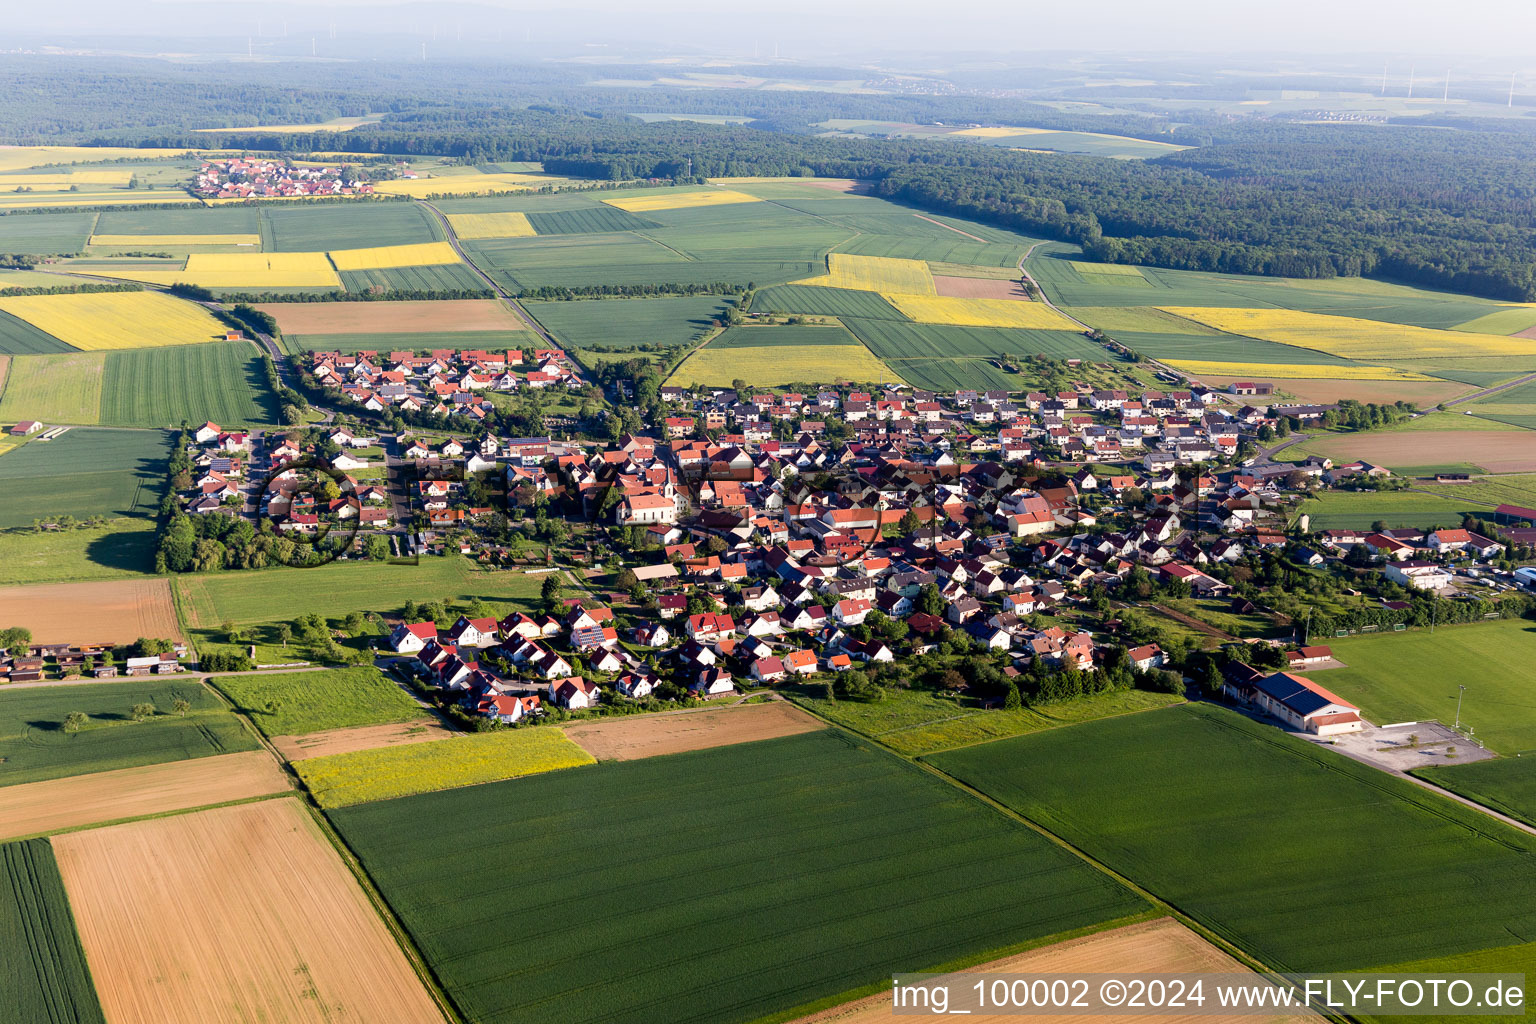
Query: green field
[
  {"x": 161, "y": 387},
  {"x": 917, "y": 722},
  {"x": 1289, "y": 851},
  {"x": 1225, "y": 348},
  {"x": 799, "y": 298},
  {"x": 388, "y": 773},
  {"x": 592, "y": 220},
  {"x": 897, "y": 340},
  {"x": 84, "y": 472},
  {"x": 1511, "y": 489},
  {"x": 1357, "y": 510},
  {"x": 34, "y": 745},
  {"x": 55, "y": 388},
  {"x": 783, "y": 335},
  {"x": 306, "y": 227},
  {"x": 759, "y": 877},
  {"x": 294, "y": 703},
  {"x": 45, "y": 234},
  {"x": 438, "y": 277},
  {"x": 1517, "y": 406},
  {"x": 333, "y": 590},
  {"x": 1506, "y": 784},
  {"x": 413, "y": 341},
  {"x": 1413, "y": 676},
  {"x": 45, "y": 979},
  {"x": 17, "y": 337},
  {"x": 1504, "y": 321},
  {"x": 189, "y": 220},
  {"x": 628, "y": 323},
  {"x": 121, "y": 548}
]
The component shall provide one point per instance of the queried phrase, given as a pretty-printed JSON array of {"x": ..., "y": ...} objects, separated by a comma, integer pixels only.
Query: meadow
[
  {"x": 779, "y": 365},
  {"x": 121, "y": 548},
  {"x": 294, "y": 703},
  {"x": 1514, "y": 489},
  {"x": 17, "y": 337},
  {"x": 1516, "y": 406},
  {"x": 628, "y": 323},
  {"x": 46, "y": 979},
  {"x": 1414, "y": 676},
  {"x": 111, "y": 320},
  {"x": 873, "y": 841},
  {"x": 83, "y": 472},
  {"x": 388, "y": 773},
  {"x": 1505, "y": 784},
  {"x": 34, "y": 745},
  {"x": 333, "y": 590},
  {"x": 1448, "y": 878}
]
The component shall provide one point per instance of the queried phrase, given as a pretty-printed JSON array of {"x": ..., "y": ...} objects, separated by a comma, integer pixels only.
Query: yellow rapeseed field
[
  {"x": 668, "y": 200},
  {"x": 1259, "y": 371},
  {"x": 875, "y": 274},
  {"x": 339, "y": 780},
  {"x": 464, "y": 184},
  {"x": 1106, "y": 269},
  {"x": 421, "y": 254},
  {"x": 777, "y": 365},
  {"x": 17, "y": 158},
  {"x": 1353, "y": 338},
  {"x": 944, "y": 309},
  {"x": 152, "y": 241},
  {"x": 108, "y": 320},
  {"x": 491, "y": 225},
  {"x": 242, "y": 270}
]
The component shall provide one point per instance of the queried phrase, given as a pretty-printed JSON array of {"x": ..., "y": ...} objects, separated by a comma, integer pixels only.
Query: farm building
[
  {"x": 1308, "y": 656},
  {"x": 1301, "y": 704}
]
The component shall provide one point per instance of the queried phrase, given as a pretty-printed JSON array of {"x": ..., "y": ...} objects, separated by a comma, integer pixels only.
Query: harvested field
[
  {"x": 362, "y": 737},
  {"x": 36, "y": 808},
  {"x": 392, "y": 317},
  {"x": 1423, "y": 394},
  {"x": 625, "y": 739},
  {"x": 1154, "y": 947},
  {"x": 1496, "y": 451},
  {"x": 115, "y": 612},
  {"x": 234, "y": 914},
  {"x": 979, "y": 288}
]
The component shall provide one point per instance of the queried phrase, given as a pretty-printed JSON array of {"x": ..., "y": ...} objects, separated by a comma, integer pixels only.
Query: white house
[
  {"x": 1414, "y": 573},
  {"x": 408, "y": 638},
  {"x": 573, "y": 692},
  {"x": 1146, "y": 657}
]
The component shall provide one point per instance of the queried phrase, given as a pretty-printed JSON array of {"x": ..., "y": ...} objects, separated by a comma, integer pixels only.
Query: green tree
[
  {"x": 181, "y": 706},
  {"x": 74, "y": 721},
  {"x": 143, "y": 711},
  {"x": 284, "y": 634}
]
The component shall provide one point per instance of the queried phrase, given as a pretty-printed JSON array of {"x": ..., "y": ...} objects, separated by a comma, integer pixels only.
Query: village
[{"x": 256, "y": 178}]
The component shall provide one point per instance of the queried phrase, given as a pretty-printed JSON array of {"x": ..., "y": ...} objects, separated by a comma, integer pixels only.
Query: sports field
[
  {"x": 1415, "y": 675},
  {"x": 1449, "y": 879},
  {"x": 669, "y": 199},
  {"x": 234, "y": 914},
  {"x": 292, "y": 703},
  {"x": 386, "y": 773},
  {"x": 45, "y": 978},
  {"x": 871, "y": 839},
  {"x": 875, "y": 274},
  {"x": 83, "y": 472},
  {"x": 35, "y": 745},
  {"x": 1357, "y": 510},
  {"x": 944, "y": 309},
  {"x": 54, "y": 805},
  {"x": 111, "y": 320},
  {"x": 778, "y": 365}
]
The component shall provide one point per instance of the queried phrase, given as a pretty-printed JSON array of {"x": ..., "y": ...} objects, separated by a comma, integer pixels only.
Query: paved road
[{"x": 1485, "y": 392}]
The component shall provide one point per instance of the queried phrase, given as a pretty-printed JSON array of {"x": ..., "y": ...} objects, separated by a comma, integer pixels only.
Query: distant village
[{"x": 240, "y": 178}]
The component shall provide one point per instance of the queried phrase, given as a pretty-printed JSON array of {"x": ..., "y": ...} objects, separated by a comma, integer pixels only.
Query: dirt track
[
  {"x": 1156, "y": 947},
  {"x": 626, "y": 739},
  {"x": 362, "y": 737},
  {"x": 232, "y": 915},
  {"x": 36, "y": 807},
  {"x": 115, "y": 612}
]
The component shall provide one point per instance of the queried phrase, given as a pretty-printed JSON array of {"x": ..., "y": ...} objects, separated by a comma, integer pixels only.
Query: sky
[{"x": 1411, "y": 28}]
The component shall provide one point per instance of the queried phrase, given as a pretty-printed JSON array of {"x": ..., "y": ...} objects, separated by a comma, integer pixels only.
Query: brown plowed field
[
  {"x": 232, "y": 915},
  {"x": 1423, "y": 394},
  {"x": 1529, "y": 332},
  {"x": 362, "y": 737},
  {"x": 626, "y": 739},
  {"x": 392, "y": 317},
  {"x": 116, "y": 612},
  {"x": 1497, "y": 451},
  {"x": 34, "y": 808},
  {"x": 1156, "y": 947},
  {"x": 979, "y": 288}
]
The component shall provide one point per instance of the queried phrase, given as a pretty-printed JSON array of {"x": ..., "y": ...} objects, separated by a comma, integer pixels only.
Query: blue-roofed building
[{"x": 1303, "y": 705}]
